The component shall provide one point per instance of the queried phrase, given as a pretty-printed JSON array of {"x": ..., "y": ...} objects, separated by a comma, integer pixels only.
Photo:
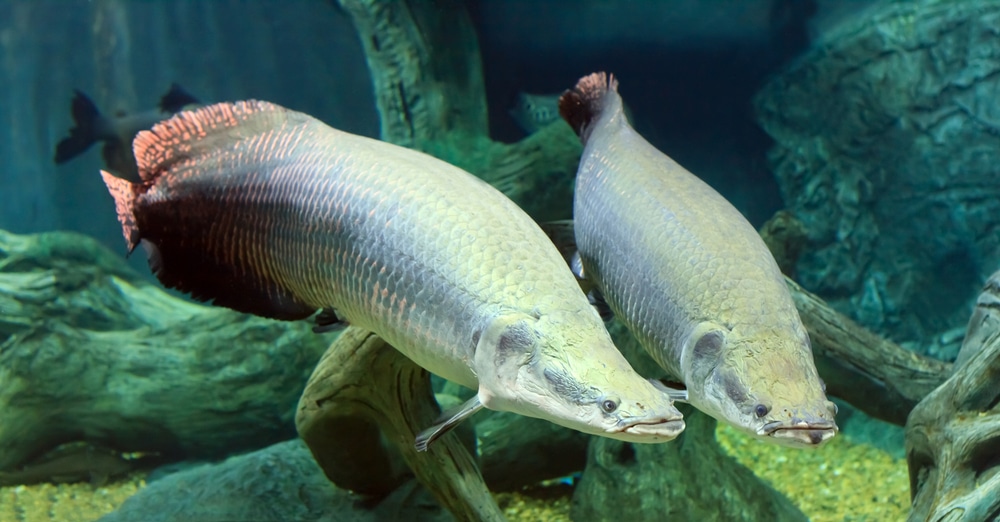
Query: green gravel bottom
[{"x": 842, "y": 482}]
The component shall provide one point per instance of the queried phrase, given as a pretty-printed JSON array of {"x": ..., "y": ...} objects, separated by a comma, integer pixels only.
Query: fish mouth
[
  {"x": 660, "y": 430},
  {"x": 799, "y": 434}
]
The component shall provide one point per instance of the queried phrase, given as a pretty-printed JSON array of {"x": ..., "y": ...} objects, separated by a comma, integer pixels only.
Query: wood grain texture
[
  {"x": 953, "y": 434},
  {"x": 361, "y": 384},
  {"x": 90, "y": 351}
]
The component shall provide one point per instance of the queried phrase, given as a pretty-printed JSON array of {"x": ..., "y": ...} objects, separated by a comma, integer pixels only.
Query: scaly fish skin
[
  {"x": 691, "y": 278},
  {"x": 298, "y": 216}
]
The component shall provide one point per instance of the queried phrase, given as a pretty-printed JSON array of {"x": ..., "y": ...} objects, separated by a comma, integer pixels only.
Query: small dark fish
[
  {"x": 117, "y": 132},
  {"x": 79, "y": 463},
  {"x": 534, "y": 111}
]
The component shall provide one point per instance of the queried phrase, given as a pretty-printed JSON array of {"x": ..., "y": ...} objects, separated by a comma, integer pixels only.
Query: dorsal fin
[
  {"x": 176, "y": 99},
  {"x": 584, "y": 104},
  {"x": 192, "y": 133}
]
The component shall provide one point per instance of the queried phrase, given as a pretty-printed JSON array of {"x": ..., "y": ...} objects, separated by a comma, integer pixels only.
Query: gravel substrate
[{"x": 840, "y": 482}]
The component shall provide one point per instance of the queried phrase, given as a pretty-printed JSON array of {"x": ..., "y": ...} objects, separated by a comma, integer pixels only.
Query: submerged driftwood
[
  {"x": 953, "y": 435},
  {"x": 363, "y": 390},
  {"x": 426, "y": 70},
  {"x": 153, "y": 373},
  {"x": 89, "y": 351}
]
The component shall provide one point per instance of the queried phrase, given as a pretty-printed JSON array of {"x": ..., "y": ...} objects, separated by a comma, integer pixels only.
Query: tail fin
[
  {"x": 176, "y": 99},
  {"x": 124, "y": 193},
  {"x": 84, "y": 134},
  {"x": 585, "y": 103}
]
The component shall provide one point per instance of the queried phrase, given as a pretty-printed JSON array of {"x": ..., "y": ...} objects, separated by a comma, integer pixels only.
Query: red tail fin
[
  {"x": 585, "y": 103},
  {"x": 124, "y": 193}
]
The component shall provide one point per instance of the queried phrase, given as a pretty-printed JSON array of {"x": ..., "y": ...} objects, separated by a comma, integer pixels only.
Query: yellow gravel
[
  {"x": 842, "y": 482},
  {"x": 64, "y": 502},
  {"x": 541, "y": 504}
]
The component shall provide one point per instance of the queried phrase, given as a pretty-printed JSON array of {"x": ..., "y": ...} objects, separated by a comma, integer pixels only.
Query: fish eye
[
  {"x": 609, "y": 406},
  {"x": 760, "y": 410}
]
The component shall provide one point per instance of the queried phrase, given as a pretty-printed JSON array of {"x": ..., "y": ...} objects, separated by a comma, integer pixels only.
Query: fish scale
[
  {"x": 269, "y": 211},
  {"x": 691, "y": 278},
  {"x": 339, "y": 258}
]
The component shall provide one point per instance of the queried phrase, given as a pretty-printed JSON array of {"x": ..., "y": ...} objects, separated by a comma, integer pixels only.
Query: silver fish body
[
  {"x": 691, "y": 278},
  {"x": 271, "y": 212}
]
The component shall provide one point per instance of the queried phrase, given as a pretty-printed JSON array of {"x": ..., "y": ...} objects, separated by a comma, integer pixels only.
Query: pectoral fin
[
  {"x": 675, "y": 394},
  {"x": 327, "y": 320},
  {"x": 447, "y": 421},
  {"x": 562, "y": 236},
  {"x": 596, "y": 299}
]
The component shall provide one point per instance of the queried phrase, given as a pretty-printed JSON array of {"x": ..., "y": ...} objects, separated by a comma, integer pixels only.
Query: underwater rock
[
  {"x": 886, "y": 149},
  {"x": 90, "y": 351},
  {"x": 690, "y": 478},
  {"x": 277, "y": 484},
  {"x": 953, "y": 435}
]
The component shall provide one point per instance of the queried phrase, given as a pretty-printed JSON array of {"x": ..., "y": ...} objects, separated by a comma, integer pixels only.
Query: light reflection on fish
[
  {"x": 271, "y": 212},
  {"x": 691, "y": 278}
]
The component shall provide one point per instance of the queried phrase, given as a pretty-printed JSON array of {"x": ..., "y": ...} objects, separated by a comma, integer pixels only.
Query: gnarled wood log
[
  {"x": 362, "y": 388},
  {"x": 875, "y": 375},
  {"x": 425, "y": 65},
  {"x": 953, "y": 435},
  {"x": 90, "y": 351}
]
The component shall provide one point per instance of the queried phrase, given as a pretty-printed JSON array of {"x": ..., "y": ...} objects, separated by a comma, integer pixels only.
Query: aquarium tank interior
[{"x": 525, "y": 260}]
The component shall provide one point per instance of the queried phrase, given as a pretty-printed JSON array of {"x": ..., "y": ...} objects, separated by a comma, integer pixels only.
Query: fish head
[
  {"x": 566, "y": 370},
  {"x": 763, "y": 382}
]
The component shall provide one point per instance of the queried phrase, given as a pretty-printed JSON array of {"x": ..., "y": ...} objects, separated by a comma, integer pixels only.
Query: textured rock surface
[
  {"x": 887, "y": 149},
  {"x": 690, "y": 478},
  {"x": 277, "y": 484}
]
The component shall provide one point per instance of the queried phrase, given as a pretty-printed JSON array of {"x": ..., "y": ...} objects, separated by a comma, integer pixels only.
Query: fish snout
[
  {"x": 650, "y": 430},
  {"x": 651, "y": 424},
  {"x": 799, "y": 432}
]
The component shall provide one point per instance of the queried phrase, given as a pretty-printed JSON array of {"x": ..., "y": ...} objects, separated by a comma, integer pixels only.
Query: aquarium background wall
[
  {"x": 689, "y": 69},
  {"x": 878, "y": 131},
  {"x": 124, "y": 55}
]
